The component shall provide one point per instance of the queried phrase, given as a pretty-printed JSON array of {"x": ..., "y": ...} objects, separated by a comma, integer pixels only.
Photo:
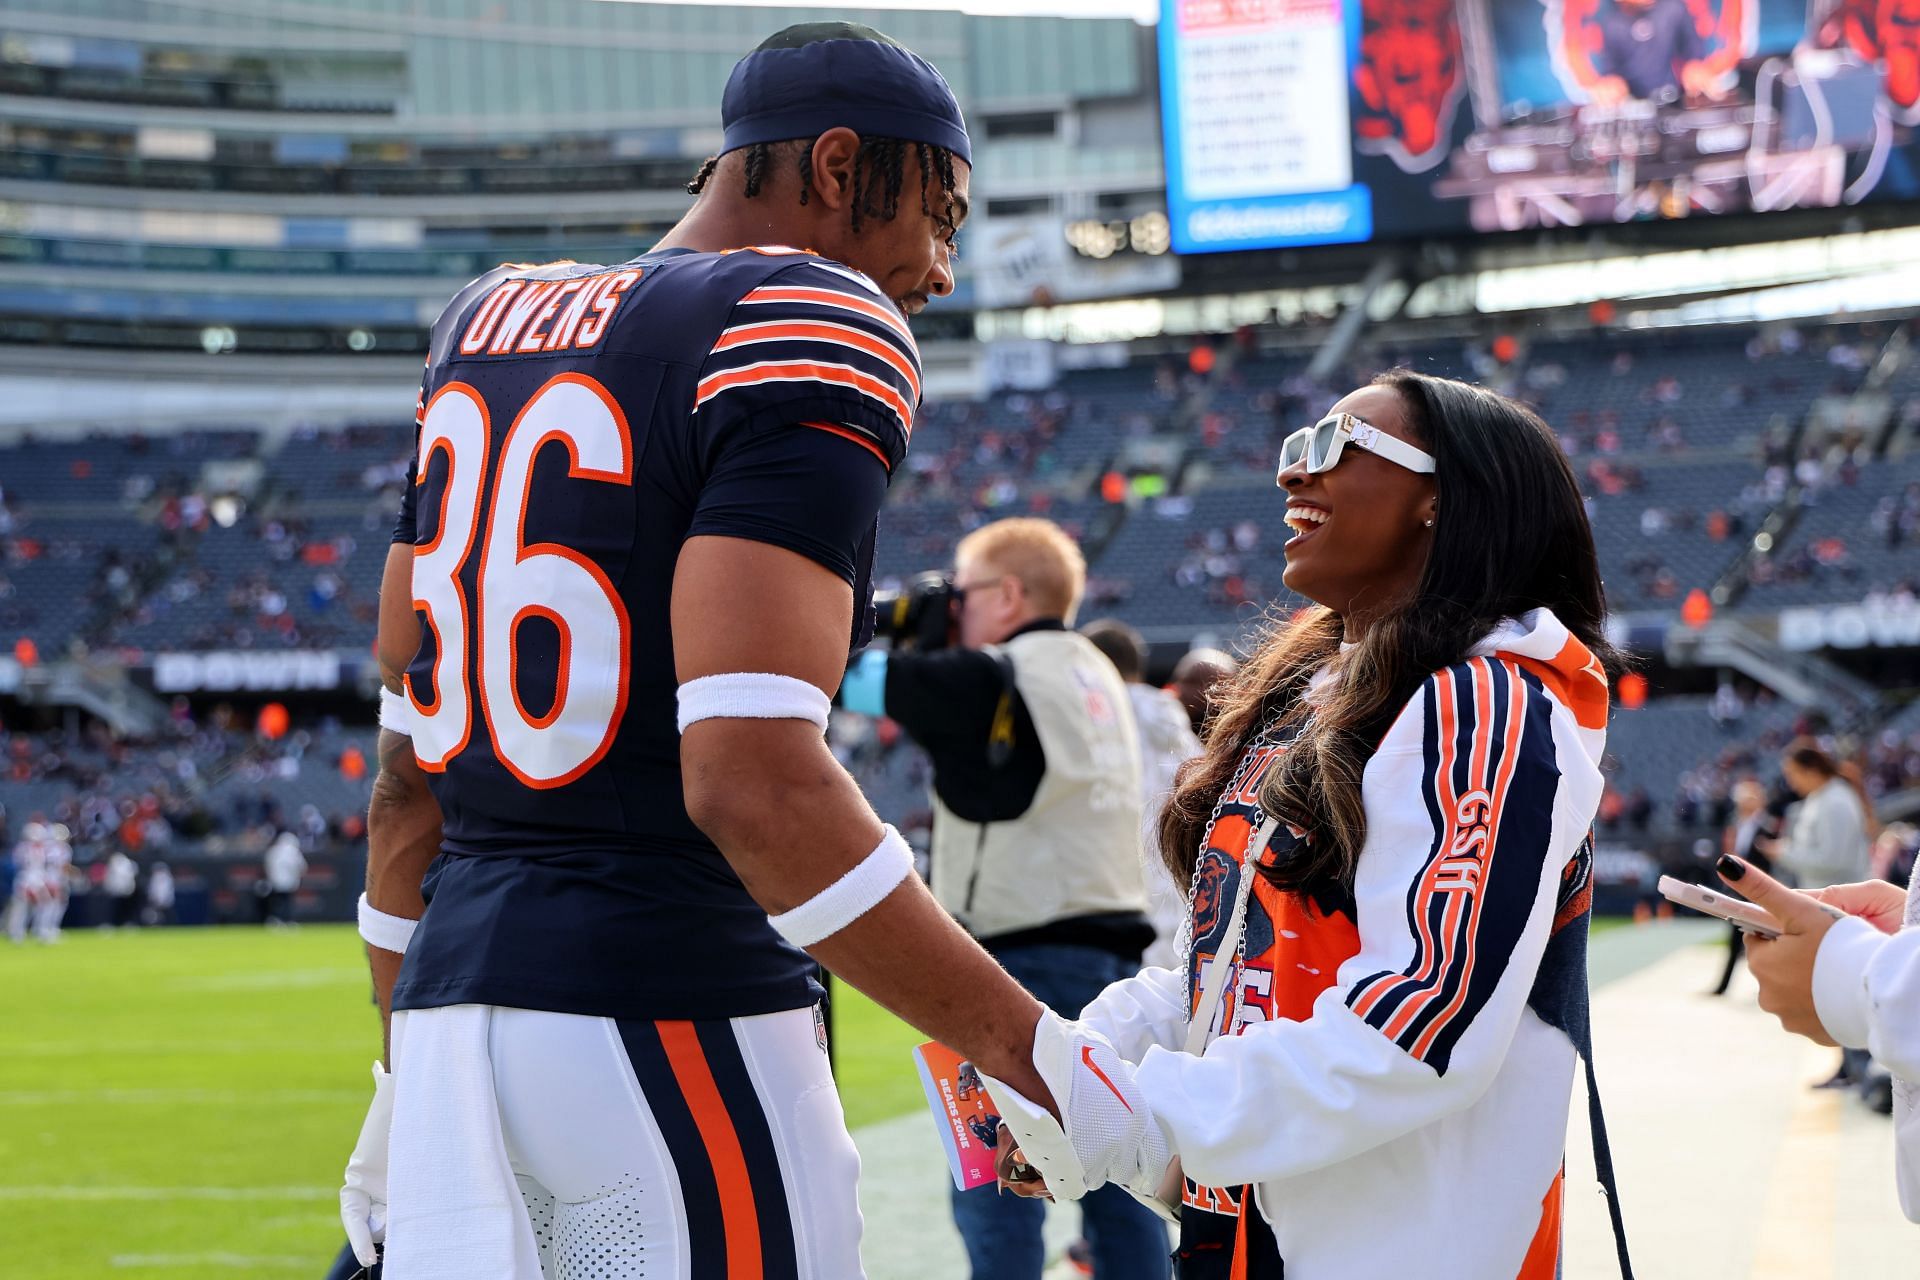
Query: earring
[{"x": 1429, "y": 522}]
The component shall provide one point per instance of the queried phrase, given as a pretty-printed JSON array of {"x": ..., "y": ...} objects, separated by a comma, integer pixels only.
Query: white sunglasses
[{"x": 1321, "y": 445}]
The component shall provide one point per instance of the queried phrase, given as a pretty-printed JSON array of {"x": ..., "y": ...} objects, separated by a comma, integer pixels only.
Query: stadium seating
[
  {"x": 1682, "y": 443},
  {"x": 1676, "y": 440},
  {"x": 1684, "y": 762},
  {"x": 1858, "y": 531},
  {"x": 1211, "y": 560},
  {"x": 199, "y": 781}
]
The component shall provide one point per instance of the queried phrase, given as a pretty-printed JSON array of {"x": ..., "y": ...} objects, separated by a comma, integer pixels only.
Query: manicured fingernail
[{"x": 1731, "y": 867}]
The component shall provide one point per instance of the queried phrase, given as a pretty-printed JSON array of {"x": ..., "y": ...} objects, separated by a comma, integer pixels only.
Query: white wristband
[
  {"x": 747, "y": 695},
  {"x": 396, "y": 713},
  {"x": 387, "y": 932},
  {"x": 850, "y": 897}
]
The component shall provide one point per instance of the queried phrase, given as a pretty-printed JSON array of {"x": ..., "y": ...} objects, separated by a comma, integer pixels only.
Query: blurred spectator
[
  {"x": 160, "y": 894},
  {"x": 1825, "y": 844},
  {"x": 121, "y": 884},
  {"x": 1752, "y": 826},
  {"x": 285, "y": 865},
  {"x": 1166, "y": 742},
  {"x": 1193, "y": 679},
  {"x": 1727, "y": 706}
]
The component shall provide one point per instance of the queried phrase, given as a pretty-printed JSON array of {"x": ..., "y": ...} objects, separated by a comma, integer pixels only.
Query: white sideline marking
[
  {"x": 47, "y": 1097},
  {"x": 208, "y": 1260},
  {"x": 168, "y": 1193},
  {"x": 274, "y": 980}
]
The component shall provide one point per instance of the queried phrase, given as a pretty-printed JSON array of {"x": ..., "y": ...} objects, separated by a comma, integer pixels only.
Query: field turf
[{"x": 178, "y": 1103}]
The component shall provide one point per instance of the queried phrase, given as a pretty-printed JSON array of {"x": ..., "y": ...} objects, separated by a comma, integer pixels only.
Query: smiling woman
[
  {"x": 1387, "y": 843},
  {"x": 1454, "y": 511}
]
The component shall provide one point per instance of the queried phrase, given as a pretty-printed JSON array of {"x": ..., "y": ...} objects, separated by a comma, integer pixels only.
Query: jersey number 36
[{"x": 518, "y": 581}]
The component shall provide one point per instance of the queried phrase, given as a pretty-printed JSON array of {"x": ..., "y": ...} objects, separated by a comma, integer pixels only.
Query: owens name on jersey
[{"x": 577, "y": 425}]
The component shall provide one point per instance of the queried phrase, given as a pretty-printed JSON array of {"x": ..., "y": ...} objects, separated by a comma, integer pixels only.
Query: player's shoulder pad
[{"x": 813, "y": 336}]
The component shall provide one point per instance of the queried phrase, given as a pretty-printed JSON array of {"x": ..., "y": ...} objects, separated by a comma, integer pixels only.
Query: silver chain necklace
[{"x": 1184, "y": 941}]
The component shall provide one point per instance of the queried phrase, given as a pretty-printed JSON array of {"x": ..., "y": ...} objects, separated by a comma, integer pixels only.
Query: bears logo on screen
[
  {"x": 1887, "y": 33},
  {"x": 1409, "y": 80}
]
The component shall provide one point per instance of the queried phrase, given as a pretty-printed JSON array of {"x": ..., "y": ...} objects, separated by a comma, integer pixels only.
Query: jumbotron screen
[{"x": 1302, "y": 122}]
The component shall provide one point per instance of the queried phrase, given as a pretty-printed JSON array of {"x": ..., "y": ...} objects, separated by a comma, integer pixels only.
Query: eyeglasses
[
  {"x": 958, "y": 592},
  {"x": 1321, "y": 445}
]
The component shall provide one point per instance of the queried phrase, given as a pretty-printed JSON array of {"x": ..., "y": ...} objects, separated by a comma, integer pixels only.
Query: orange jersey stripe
[
  {"x": 1463, "y": 911},
  {"x": 1516, "y": 725},
  {"x": 835, "y": 429},
  {"x": 809, "y": 371},
  {"x": 1238, "y": 1269},
  {"x": 1443, "y": 784},
  {"x": 833, "y": 298},
  {"x": 1478, "y": 752},
  {"x": 792, "y": 330},
  {"x": 739, "y": 1216}
]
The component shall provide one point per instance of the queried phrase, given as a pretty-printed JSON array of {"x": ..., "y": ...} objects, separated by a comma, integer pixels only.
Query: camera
[{"x": 919, "y": 617}]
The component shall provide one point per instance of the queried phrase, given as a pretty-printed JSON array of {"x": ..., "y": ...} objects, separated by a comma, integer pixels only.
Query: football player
[
  {"x": 29, "y": 879},
  {"x": 56, "y": 865},
  {"x": 641, "y": 531}
]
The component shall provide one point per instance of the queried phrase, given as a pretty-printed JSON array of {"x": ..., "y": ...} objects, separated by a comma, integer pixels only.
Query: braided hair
[{"x": 879, "y": 174}]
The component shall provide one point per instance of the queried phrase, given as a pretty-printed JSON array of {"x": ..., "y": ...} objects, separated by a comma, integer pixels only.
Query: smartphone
[{"x": 1736, "y": 911}]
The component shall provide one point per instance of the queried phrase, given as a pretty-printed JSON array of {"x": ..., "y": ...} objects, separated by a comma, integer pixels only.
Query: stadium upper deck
[
  {"x": 168, "y": 165},
  {"x": 202, "y": 176}
]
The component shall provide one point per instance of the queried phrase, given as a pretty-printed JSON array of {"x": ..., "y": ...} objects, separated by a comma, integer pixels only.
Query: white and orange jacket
[{"x": 1393, "y": 1079}]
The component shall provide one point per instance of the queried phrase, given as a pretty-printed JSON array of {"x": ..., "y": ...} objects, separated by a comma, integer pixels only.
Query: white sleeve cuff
[
  {"x": 1137, "y": 1013},
  {"x": 396, "y": 713},
  {"x": 851, "y": 896},
  {"x": 750, "y": 695},
  {"x": 1840, "y": 980},
  {"x": 387, "y": 932}
]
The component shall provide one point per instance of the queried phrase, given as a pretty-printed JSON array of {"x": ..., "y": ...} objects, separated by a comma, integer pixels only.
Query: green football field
[{"x": 179, "y": 1103}]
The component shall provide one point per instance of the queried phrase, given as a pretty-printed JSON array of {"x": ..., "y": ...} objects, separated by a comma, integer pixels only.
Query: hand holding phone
[{"x": 1741, "y": 914}]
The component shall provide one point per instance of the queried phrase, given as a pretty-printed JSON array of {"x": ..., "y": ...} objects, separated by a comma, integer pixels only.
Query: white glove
[
  {"x": 363, "y": 1192},
  {"x": 1110, "y": 1134}
]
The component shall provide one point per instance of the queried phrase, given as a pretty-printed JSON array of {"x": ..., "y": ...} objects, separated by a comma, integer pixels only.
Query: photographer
[{"x": 1036, "y": 832}]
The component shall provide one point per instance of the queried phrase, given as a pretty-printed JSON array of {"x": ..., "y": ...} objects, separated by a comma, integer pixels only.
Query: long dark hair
[{"x": 1510, "y": 535}]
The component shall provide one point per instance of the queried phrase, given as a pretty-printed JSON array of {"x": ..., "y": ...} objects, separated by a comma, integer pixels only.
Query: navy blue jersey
[{"x": 577, "y": 425}]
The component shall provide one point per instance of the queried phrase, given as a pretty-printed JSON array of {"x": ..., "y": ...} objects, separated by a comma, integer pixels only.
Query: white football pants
[{"x": 711, "y": 1150}]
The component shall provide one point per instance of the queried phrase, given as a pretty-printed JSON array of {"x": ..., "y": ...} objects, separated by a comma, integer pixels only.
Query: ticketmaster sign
[{"x": 1875, "y": 624}]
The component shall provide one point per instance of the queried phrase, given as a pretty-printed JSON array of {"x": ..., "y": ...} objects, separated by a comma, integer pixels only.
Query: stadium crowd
[
  {"x": 226, "y": 540},
  {"x": 219, "y": 540},
  {"x": 211, "y": 779}
]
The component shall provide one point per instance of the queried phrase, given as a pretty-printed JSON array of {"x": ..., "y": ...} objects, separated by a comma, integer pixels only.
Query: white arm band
[
  {"x": 396, "y": 713},
  {"x": 389, "y": 933},
  {"x": 747, "y": 695},
  {"x": 850, "y": 897}
]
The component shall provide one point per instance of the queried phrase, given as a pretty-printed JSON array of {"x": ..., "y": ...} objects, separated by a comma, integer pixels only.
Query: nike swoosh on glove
[
  {"x": 363, "y": 1191},
  {"x": 1106, "y": 1133}
]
